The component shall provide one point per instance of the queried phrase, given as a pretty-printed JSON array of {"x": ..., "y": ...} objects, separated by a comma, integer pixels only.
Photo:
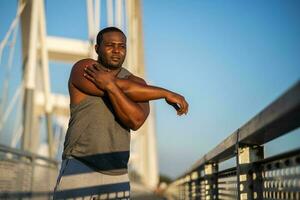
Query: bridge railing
[
  {"x": 253, "y": 176},
  {"x": 24, "y": 175}
]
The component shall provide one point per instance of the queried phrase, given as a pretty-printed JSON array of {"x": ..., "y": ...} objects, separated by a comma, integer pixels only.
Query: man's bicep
[
  {"x": 137, "y": 79},
  {"x": 81, "y": 83}
]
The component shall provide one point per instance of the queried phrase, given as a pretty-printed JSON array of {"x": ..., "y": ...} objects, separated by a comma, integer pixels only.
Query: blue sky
[{"x": 229, "y": 59}]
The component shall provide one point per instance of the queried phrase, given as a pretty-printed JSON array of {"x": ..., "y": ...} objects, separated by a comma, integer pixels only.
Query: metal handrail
[
  {"x": 277, "y": 119},
  {"x": 245, "y": 144},
  {"x": 22, "y": 153},
  {"x": 30, "y": 175}
]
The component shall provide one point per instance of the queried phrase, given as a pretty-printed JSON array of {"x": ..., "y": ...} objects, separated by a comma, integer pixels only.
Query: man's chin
[{"x": 115, "y": 66}]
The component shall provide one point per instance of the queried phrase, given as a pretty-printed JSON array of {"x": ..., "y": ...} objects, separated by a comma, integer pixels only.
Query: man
[{"x": 107, "y": 101}]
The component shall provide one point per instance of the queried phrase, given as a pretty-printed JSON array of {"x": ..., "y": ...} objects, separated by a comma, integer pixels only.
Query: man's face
[{"x": 112, "y": 50}]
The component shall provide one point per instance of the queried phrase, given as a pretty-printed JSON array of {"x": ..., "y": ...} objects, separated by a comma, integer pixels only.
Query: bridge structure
[{"x": 34, "y": 120}]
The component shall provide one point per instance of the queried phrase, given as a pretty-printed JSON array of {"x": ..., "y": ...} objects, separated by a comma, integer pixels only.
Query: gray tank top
[{"x": 96, "y": 137}]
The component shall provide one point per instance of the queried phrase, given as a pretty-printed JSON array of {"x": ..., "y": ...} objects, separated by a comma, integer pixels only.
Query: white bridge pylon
[{"x": 38, "y": 48}]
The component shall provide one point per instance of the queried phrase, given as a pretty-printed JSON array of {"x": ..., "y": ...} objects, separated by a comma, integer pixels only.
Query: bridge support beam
[
  {"x": 211, "y": 181},
  {"x": 249, "y": 175},
  {"x": 29, "y": 21},
  {"x": 36, "y": 75}
]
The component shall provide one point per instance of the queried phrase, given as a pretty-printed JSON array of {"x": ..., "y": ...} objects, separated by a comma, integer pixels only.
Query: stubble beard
[{"x": 105, "y": 64}]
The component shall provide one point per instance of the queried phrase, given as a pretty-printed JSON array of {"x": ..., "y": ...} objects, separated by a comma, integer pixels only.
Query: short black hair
[{"x": 106, "y": 30}]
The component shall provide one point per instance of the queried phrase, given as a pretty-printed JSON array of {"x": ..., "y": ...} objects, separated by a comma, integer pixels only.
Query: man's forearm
[
  {"x": 128, "y": 111},
  {"x": 139, "y": 92}
]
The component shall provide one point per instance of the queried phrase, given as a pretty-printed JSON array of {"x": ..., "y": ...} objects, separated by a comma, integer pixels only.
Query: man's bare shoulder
[
  {"x": 78, "y": 83},
  {"x": 78, "y": 69},
  {"x": 137, "y": 79},
  {"x": 81, "y": 64}
]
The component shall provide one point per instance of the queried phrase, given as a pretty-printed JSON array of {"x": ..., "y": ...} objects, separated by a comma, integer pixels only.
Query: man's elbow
[
  {"x": 138, "y": 122},
  {"x": 135, "y": 127}
]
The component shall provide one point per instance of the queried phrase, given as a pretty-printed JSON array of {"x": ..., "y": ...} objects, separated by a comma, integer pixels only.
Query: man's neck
[{"x": 114, "y": 71}]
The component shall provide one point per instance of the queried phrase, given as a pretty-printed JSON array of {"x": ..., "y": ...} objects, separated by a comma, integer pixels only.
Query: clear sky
[{"x": 229, "y": 58}]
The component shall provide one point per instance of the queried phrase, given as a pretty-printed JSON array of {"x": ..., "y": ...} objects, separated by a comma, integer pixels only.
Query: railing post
[
  {"x": 181, "y": 188},
  {"x": 248, "y": 173},
  {"x": 187, "y": 189},
  {"x": 195, "y": 185},
  {"x": 211, "y": 181},
  {"x": 184, "y": 187}
]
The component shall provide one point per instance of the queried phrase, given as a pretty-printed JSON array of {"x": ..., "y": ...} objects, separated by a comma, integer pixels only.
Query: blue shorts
[{"x": 77, "y": 180}]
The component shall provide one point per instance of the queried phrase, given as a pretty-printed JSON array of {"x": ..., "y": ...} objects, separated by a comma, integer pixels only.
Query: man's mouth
[{"x": 115, "y": 58}]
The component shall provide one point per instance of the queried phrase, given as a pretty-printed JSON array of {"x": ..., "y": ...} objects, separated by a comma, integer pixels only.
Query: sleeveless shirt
[{"x": 96, "y": 137}]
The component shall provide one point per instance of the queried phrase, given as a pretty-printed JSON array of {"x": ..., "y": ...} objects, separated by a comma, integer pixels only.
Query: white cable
[
  {"x": 97, "y": 16},
  {"x": 119, "y": 14},
  {"x": 18, "y": 126},
  {"x": 8, "y": 71},
  {"x": 90, "y": 17},
  {"x": 17, "y": 136},
  {"x": 56, "y": 138},
  {"x": 12, "y": 26},
  {"x": 12, "y": 48},
  {"x": 11, "y": 105}
]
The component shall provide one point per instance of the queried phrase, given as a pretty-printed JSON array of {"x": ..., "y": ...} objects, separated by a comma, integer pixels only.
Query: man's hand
[
  {"x": 102, "y": 78},
  {"x": 131, "y": 114},
  {"x": 178, "y": 102}
]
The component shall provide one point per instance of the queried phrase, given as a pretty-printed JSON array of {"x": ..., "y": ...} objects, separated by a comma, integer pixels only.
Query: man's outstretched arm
[
  {"x": 131, "y": 113},
  {"x": 137, "y": 89}
]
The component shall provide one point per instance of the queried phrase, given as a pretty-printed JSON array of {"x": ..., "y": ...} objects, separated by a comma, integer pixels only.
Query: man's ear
[{"x": 96, "y": 48}]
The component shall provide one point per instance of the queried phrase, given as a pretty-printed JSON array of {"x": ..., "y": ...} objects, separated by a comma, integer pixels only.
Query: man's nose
[{"x": 116, "y": 49}]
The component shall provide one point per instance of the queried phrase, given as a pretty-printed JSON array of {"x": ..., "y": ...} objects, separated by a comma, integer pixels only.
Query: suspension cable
[
  {"x": 11, "y": 105},
  {"x": 18, "y": 126},
  {"x": 11, "y": 28},
  {"x": 6, "y": 80}
]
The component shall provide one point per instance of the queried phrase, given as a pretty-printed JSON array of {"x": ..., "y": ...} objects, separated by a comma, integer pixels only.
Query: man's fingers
[
  {"x": 180, "y": 105},
  {"x": 90, "y": 78},
  {"x": 186, "y": 106},
  {"x": 89, "y": 71},
  {"x": 96, "y": 66},
  {"x": 183, "y": 107}
]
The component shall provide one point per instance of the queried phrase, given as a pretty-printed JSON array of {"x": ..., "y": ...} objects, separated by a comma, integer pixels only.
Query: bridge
[{"x": 34, "y": 120}]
